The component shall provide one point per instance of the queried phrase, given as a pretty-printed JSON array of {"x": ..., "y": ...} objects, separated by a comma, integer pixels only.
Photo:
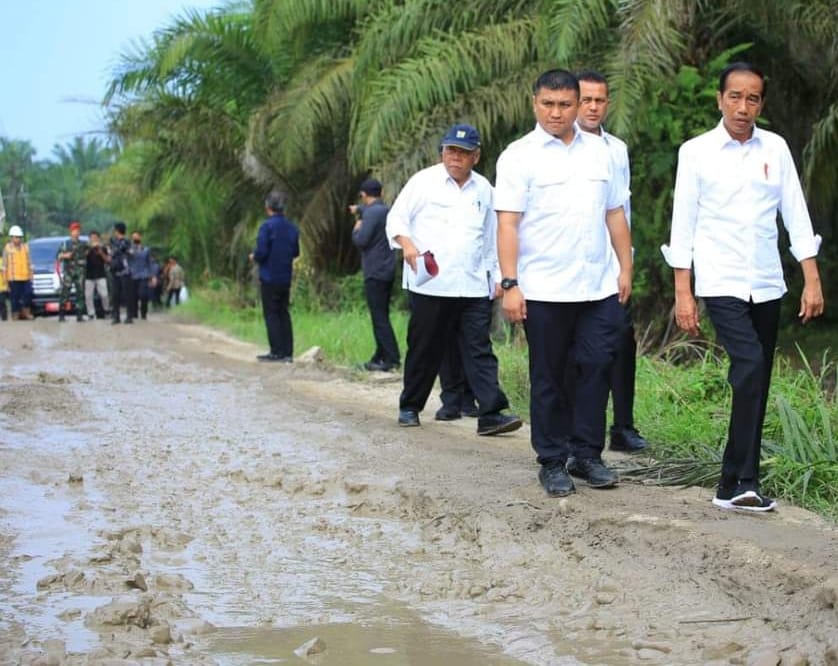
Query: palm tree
[{"x": 180, "y": 105}]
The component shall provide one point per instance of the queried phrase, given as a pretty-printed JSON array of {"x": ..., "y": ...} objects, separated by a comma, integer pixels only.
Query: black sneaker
[
  {"x": 554, "y": 479},
  {"x": 447, "y": 414},
  {"x": 593, "y": 471},
  {"x": 497, "y": 423},
  {"x": 470, "y": 410},
  {"x": 380, "y": 366},
  {"x": 627, "y": 440},
  {"x": 271, "y": 358},
  {"x": 741, "y": 498},
  {"x": 408, "y": 418}
]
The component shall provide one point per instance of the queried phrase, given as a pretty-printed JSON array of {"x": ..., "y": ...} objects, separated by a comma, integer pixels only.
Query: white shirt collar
[
  {"x": 544, "y": 137},
  {"x": 446, "y": 177},
  {"x": 723, "y": 136}
]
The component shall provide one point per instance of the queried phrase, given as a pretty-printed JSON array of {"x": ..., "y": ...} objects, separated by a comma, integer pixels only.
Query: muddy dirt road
[{"x": 164, "y": 498}]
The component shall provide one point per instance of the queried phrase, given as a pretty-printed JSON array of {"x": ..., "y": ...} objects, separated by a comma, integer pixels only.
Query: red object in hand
[{"x": 430, "y": 263}]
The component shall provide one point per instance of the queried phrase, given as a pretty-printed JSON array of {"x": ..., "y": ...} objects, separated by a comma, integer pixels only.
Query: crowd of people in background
[{"x": 122, "y": 274}]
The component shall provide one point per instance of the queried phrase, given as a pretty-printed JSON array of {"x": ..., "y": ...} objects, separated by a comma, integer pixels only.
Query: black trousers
[
  {"x": 623, "y": 371},
  {"x": 563, "y": 424},
  {"x": 139, "y": 303},
  {"x": 434, "y": 322},
  {"x": 20, "y": 294},
  {"x": 277, "y": 318},
  {"x": 122, "y": 293},
  {"x": 456, "y": 393},
  {"x": 748, "y": 333},
  {"x": 378, "y": 302}
]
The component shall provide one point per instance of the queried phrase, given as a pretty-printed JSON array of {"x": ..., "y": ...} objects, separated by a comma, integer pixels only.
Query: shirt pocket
[
  {"x": 766, "y": 179},
  {"x": 549, "y": 193}
]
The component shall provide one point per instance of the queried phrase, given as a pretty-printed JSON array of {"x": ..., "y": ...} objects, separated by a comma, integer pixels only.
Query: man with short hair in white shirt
[
  {"x": 593, "y": 109},
  {"x": 730, "y": 184},
  {"x": 559, "y": 213},
  {"x": 446, "y": 210}
]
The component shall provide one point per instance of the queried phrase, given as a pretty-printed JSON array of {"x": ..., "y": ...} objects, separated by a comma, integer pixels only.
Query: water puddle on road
[{"x": 412, "y": 643}]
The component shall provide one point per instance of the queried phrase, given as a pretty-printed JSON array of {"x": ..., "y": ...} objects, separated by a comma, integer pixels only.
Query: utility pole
[
  {"x": 22, "y": 208},
  {"x": 2, "y": 214}
]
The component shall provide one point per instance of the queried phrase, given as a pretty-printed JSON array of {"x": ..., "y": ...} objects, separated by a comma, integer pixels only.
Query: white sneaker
[{"x": 749, "y": 500}]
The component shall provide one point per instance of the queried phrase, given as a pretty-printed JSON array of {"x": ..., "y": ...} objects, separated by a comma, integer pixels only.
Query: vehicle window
[{"x": 44, "y": 252}]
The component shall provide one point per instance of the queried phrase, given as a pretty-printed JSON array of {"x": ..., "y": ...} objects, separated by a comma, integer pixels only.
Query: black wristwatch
[{"x": 508, "y": 283}]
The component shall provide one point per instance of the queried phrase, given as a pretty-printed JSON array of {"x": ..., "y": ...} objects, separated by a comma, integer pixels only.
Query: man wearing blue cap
[{"x": 443, "y": 220}]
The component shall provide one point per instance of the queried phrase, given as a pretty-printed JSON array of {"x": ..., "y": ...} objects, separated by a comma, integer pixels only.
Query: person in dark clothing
[
  {"x": 122, "y": 286},
  {"x": 139, "y": 265},
  {"x": 95, "y": 280},
  {"x": 277, "y": 245},
  {"x": 378, "y": 263}
]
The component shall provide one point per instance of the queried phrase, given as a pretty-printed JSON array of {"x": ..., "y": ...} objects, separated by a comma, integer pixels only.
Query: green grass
[
  {"x": 345, "y": 336},
  {"x": 682, "y": 408}
]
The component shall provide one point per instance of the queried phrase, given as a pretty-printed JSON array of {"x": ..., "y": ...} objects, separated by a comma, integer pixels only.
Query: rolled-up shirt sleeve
[
  {"x": 679, "y": 252},
  {"x": 804, "y": 242}
]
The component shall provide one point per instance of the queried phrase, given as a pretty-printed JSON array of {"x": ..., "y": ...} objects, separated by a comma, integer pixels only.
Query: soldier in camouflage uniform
[{"x": 73, "y": 257}]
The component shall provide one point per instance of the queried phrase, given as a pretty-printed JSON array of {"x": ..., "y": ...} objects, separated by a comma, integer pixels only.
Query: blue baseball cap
[{"x": 463, "y": 136}]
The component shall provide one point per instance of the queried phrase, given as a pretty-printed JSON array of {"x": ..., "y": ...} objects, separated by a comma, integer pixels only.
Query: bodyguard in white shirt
[
  {"x": 593, "y": 108},
  {"x": 447, "y": 210},
  {"x": 559, "y": 213},
  {"x": 730, "y": 184}
]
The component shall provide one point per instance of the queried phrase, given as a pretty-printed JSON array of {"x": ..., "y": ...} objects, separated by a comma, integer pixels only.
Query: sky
[{"x": 56, "y": 57}]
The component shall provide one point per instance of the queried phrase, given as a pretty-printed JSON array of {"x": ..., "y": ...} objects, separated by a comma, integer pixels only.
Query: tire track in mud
[{"x": 216, "y": 493}]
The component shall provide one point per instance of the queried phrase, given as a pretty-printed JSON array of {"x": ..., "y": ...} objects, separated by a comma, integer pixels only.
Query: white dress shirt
[
  {"x": 724, "y": 216},
  {"x": 563, "y": 191},
  {"x": 457, "y": 224},
  {"x": 620, "y": 169}
]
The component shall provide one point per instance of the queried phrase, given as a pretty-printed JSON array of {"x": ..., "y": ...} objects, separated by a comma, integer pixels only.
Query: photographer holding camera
[{"x": 96, "y": 280}]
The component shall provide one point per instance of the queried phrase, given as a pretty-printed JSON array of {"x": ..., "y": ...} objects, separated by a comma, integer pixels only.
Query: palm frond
[
  {"x": 652, "y": 39},
  {"x": 819, "y": 173},
  {"x": 444, "y": 66},
  {"x": 288, "y": 131},
  {"x": 569, "y": 27}
]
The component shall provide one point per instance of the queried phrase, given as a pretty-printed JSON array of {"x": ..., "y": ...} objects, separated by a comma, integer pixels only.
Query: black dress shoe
[
  {"x": 380, "y": 366},
  {"x": 593, "y": 471},
  {"x": 497, "y": 423},
  {"x": 447, "y": 414},
  {"x": 555, "y": 480},
  {"x": 271, "y": 358},
  {"x": 408, "y": 418},
  {"x": 627, "y": 440}
]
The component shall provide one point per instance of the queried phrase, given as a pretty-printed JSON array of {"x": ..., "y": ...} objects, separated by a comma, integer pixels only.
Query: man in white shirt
[
  {"x": 593, "y": 108},
  {"x": 447, "y": 210},
  {"x": 730, "y": 184},
  {"x": 559, "y": 214}
]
